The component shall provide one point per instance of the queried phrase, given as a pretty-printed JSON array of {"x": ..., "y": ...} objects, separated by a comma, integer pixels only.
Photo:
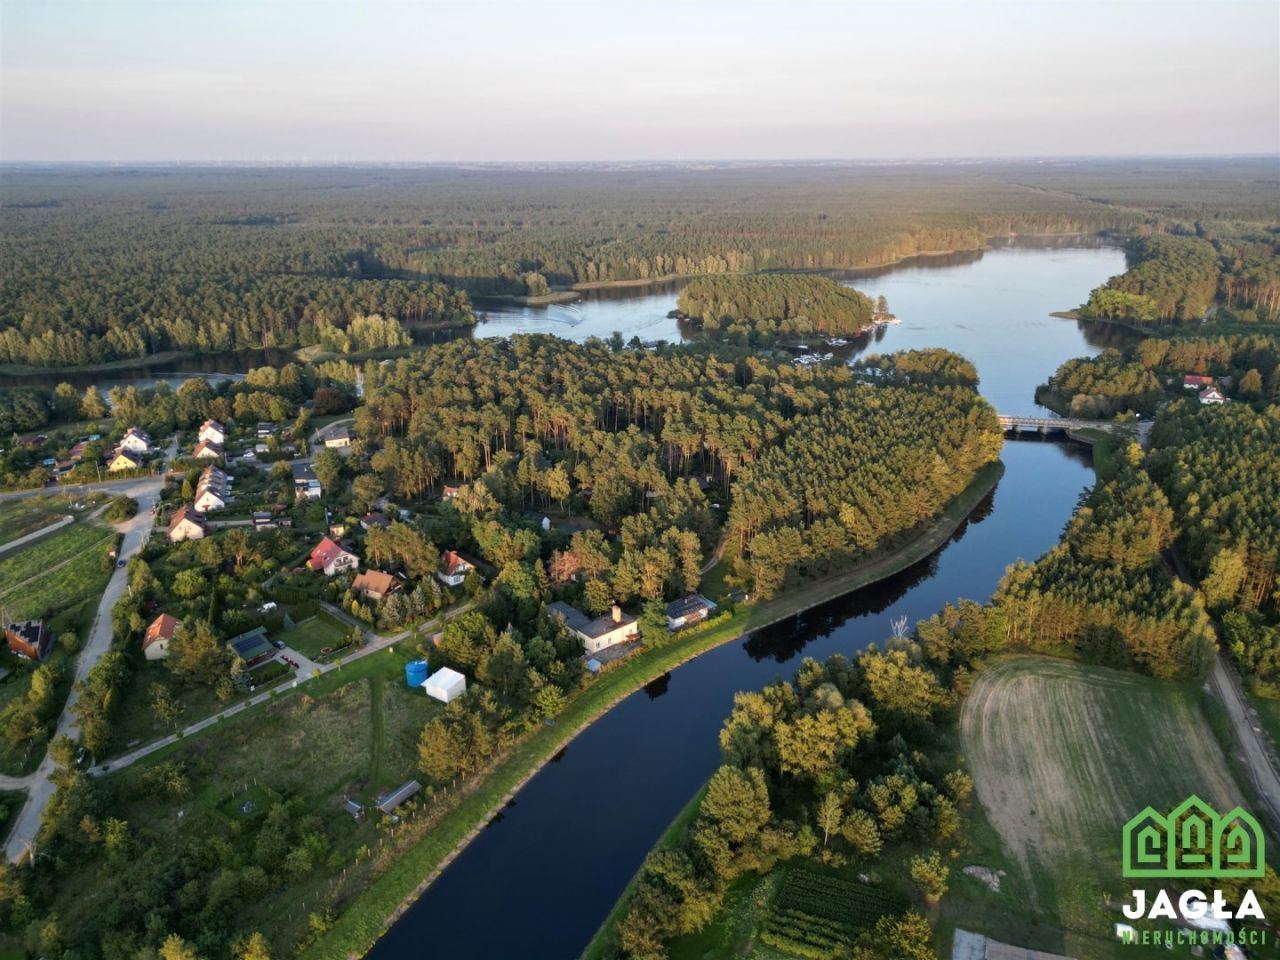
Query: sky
[{"x": 471, "y": 80}]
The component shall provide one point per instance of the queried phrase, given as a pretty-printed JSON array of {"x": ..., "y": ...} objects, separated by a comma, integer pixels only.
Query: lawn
[
  {"x": 314, "y": 634},
  {"x": 77, "y": 554},
  {"x": 352, "y": 734},
  {"x": 21, "y": 517},
  {"x": 1062, "y": 755}
]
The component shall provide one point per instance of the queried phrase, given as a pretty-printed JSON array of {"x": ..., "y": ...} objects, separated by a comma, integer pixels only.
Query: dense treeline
[
  {"x": 97, "y": 265},
  {"x": 822, "y": 470},
  {"x": 1221, "y": 470},
  {"x": 764, "y": 306},
  {"x": 52, "y": 317},
  {"x": 1103, "y": 593},
  {"x": 1170, "y": 280},
  {"x": 881, "y": 460},
  {"x": 830, "y": 765},
  {"x": 1101, "y": 386}
]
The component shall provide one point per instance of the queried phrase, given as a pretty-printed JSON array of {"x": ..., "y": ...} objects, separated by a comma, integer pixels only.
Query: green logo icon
[{"x": 1193, "y": 841}]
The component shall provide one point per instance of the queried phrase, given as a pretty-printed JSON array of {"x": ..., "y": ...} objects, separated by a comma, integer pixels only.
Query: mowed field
[{"x": 1063, "y": 754}]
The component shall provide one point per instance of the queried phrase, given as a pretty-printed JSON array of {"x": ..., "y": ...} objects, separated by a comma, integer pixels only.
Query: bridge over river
[{"x": 1010, "y": 423}]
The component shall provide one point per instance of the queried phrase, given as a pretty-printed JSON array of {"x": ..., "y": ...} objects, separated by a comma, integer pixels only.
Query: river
[{"x": 539, "y": 880}]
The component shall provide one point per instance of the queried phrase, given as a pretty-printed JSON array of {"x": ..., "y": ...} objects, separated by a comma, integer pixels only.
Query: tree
[
  {"x": 94, "y": 407},
  {"x": 167, "y": 708},
  {"x": 930, "y": 875},
  {"x": 328, "y": 466},
  {"x": 1251, "y": 384},
  {"x": 255, "y": 947},
  {"x": 829, "y": 815},
  {"x": 175, "y": 948},
  {"x": 196, "y": 655}
]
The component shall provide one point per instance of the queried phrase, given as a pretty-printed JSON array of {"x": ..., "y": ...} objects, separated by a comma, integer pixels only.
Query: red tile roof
[
  {"x": 162, "y": 627},
  {"x": 454, "y": 563},
  {"x": 324, "y": 554}
]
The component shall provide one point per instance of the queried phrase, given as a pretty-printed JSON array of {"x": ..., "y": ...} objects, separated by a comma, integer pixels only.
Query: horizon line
[{"x": 669, "y": 161}]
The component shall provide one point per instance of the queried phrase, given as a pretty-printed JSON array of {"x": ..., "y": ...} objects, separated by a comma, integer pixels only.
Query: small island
[{"x": 768, "y": 308}]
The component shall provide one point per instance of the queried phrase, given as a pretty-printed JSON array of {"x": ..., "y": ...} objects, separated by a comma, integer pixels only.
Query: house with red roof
[
  {"x": 155, "y": 642},
  {"x": 453, "y": 569},
  {"x": 187, "y": 524},
  {"x": 329, "y": 558}
]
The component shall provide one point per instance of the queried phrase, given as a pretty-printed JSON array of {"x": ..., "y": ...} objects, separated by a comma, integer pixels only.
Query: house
[
  {"x": 213, "y": 489},
  {"x": 207, "y": 450},
  {"x": 388, "y": 803},
  {"x": 445, "y": 685},
  {"x": 253, "y": 647},
  {"x": 338, "y": 439},
  {"x": 135, "y": 441},
  {"x": 124, "y": 460},
  {"x": 76, "y": 454},
  {"x": 305, "y": 484},
  {"x": 187, "y": 524},
  {"x": 29, "y": 639},
  {"x": 211, "y": 431},
  {"x": 613, "y": 628},
  {"x": 687, "y": 611},
  {"x": 541, "y": 519},
  {"x": 371, "y": 520},
  {"x": 337, "y": 529},
  {"x": 453, "y": 569},
  {"x": 1212, "y": 395},
  {"x": 374, "y": 584},
  {"x": 155, "y": 642},
  {"x": 329, "y": 558},
  {"x": 1193, "y": 382},
  {"x": 266, "y": 430},
  {"x": 450, "y": 493}
]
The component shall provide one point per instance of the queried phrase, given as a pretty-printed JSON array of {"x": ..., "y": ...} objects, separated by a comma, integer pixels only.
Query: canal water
[{"x": 539, "y": 880}]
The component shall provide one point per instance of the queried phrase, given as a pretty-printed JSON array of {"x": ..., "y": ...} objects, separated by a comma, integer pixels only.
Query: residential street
[{"x": 146, "y": 490}]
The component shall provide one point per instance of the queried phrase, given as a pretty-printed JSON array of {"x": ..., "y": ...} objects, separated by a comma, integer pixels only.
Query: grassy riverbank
[{"x": 373, "y": 910}]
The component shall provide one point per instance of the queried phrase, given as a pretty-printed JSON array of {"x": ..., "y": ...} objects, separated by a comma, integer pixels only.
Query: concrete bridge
[{"x": 1139, "y": 430}]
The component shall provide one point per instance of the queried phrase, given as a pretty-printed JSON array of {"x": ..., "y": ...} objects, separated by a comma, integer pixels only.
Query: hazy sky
[{"x": 377, "y": 80}]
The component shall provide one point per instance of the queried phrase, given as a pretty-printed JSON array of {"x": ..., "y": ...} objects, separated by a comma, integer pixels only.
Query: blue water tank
[{"x": 415, "y": 673}]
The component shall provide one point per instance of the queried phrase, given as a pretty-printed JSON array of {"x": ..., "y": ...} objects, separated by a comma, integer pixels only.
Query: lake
[{"x": 539, "y": 880}]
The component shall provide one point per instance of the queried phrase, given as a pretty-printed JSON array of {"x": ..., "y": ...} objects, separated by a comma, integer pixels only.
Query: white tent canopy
[{"x": 445, "y": 684}]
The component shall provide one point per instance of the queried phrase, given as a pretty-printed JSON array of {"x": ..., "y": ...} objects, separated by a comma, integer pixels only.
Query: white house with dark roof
[
  {"x": 212, "y": 431},
  {"x": 613, "y": 628},
  {"x": 687, "y": 611},
  {"x": 136, "y": 441}
]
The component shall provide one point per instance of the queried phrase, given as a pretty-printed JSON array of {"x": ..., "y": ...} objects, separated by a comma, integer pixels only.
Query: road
[
  {"x": 133, "y": 486},
  {"x": 39, "y": 785}
]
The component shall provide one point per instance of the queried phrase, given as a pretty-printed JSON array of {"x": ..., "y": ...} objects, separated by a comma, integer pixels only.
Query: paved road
[
  {"x": 39, "y": 785},
  {"x": 133, "y": 486}
]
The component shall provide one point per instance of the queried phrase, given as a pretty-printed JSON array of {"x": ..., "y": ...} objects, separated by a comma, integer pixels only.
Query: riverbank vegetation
[{"x": 761, "y": 308}]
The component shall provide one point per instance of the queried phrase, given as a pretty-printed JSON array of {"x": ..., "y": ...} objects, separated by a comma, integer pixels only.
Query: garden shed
[{"x": 445, "y": 685}]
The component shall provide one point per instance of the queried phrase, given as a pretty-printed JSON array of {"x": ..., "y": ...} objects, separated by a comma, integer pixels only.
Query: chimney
[{"x": 617, "y": 613}]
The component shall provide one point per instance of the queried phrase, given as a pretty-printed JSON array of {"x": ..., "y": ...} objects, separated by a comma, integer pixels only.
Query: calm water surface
[{"x": 537, "y": 883}]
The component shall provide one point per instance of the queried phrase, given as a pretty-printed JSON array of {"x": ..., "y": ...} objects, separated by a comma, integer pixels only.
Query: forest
[
  {"x": 98, "y": 265},
  {"x": 1103, "y": 595},
  {"x": 821, "y": 470},
  {"x": 762, "y": 307},
  {"x": 1185, "y": 276},
  {"x": 1220, "y": 469}
]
